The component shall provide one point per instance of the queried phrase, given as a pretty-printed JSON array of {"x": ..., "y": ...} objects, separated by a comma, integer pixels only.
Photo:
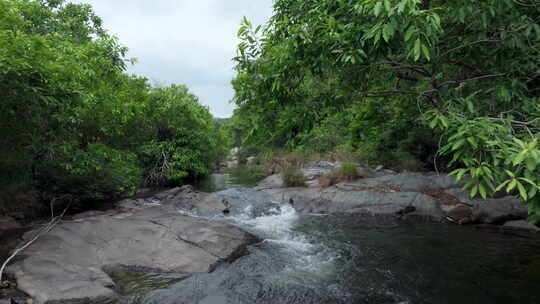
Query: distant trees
[
  {"x": 407, "y": 79},
  {"x": 73, "y": 122}
]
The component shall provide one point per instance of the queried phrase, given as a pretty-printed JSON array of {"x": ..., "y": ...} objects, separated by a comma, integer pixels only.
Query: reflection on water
[{"x": 243, "y": 176}]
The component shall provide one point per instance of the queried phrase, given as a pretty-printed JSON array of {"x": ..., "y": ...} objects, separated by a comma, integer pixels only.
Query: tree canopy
[
  {"x": 408, "y": 80},
  {"x": 72, "y": 121}
]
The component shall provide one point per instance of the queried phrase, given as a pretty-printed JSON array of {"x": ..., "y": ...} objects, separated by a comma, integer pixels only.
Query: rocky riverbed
[
  {"x": 71, "y": 262},
  {"x": 431, "y": 196},
  {"x": 174, "y": 231}
]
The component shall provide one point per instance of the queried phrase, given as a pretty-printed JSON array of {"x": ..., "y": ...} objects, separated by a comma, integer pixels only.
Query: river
[{"x": 323, "y": 259}]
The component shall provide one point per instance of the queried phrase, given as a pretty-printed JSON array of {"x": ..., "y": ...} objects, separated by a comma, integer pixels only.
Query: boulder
[
  {"x": 408, "y": 182},
  {"x": 68, "y": 263},
  {"x": 270, "y": 182},
  {"x": 498, "y": 211},
  {"x": 201, "y": 203},
  {"x": 337, "y": 200},
  {"x": 185, "y": 198},
  {"x": 246, "y": 200}
]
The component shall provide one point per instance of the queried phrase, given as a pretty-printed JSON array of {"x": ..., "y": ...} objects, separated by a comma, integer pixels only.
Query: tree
[{"x": 467, "y": 69}]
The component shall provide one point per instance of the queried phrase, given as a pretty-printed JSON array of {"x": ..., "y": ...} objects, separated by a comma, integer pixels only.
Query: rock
[
  {"x": 188, "y": 199},
  {"x": 321, "y": 164},
  {"x": 68, "y": 263},
  {"x": 7, "y": 223},
  {"x": 87, "y": 214},
  {"x": 250, "y": 201},
  {"x": 337, "y": 200},
  {"x": 232, "y": 163},
  {"x": 167, "y": 194},
  {"x": 498, "y": 211},
  {"x": 252, "y": 160},
  {"x": 521, "y": 225},
  {"x": 270, "y": 182},
  {"x": 411, "y": 182},
  {"x": 459, "y": 213},
  {"x": 379, "y": 168}
]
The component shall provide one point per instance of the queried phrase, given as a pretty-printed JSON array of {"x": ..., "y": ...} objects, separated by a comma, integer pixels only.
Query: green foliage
[
  {"x": 375, "y": 74},
  {"x": 73, "y": 122},
  {"x": 293, "y": 177},
  {"x": 346, "y": 172}
]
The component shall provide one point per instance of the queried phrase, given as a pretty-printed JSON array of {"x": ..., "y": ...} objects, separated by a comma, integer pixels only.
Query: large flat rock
[
  {"x": 68, "y": 263},
  {"x": 430, "y": 195}
]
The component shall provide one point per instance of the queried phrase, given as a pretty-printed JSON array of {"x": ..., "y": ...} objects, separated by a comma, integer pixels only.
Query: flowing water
[{"x": 344, "y": 259}]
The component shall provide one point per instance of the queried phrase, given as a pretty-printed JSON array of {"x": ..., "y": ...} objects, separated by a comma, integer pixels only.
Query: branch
[
  {"x": 467, "y": 45},
  {"x": 470, "y": 79},
  {"x": 46, "y": 229},
  {"x": 385, "y": 93}
]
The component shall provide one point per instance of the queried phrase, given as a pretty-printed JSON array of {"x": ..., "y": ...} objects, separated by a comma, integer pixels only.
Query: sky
[{"x": 187, "y": 42}]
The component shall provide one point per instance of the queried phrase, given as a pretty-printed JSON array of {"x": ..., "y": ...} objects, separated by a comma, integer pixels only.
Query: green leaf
[
  {"x": 502, "y": 185},
  {"x": 388, "y": 31},
  {"x": 522, "y": 191},
  {"x": 482, "y": 191},
  {"x": 387, "y": 5},
  {"x": 425, "y": 50},
  {"x": 511, "y": 185},
  {"x": 377, "y": 9},
  {"x": 531, "y": 164},
  {"x": 410, "y": 31},
  {"x": 473, "y": 142},
  {"x": 519, "y": 158},
  {"x": 470, "y": 106},
  {"x": 474, "y": 191},
  {"x": 417, "y": 46}
]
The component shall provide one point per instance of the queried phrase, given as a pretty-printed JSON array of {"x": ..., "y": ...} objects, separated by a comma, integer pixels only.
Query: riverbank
[{"x": 426, "y": 196}]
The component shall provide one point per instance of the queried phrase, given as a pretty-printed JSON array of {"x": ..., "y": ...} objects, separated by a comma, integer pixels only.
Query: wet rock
[
  {"x": 459, "y": 213},
  {"x": 256, "y": 203},
  {"x": 7, "y": 223},
  {"x": 337, "y": 200},
  {"x": 68, "y": 262},
  {"x": 188, "y": 199},
  {"x": 270, "y": 182},
  {"x": 498, "y": 211},
  {"x": 521, "y": 225}
]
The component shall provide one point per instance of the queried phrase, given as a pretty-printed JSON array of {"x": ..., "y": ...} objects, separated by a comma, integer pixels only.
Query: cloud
[{"x": 187, "y": 42}]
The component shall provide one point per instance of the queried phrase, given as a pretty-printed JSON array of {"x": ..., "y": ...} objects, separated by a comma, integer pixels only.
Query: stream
[
  {"x": 350, "y": 259},
  {"x": 339, "y": 259}
]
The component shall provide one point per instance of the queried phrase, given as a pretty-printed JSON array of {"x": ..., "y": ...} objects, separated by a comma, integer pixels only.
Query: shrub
[
  {"x": 280, "y": 162},
  {"x": 347, "y": 171},
  {"x": 293, "y": 177}
]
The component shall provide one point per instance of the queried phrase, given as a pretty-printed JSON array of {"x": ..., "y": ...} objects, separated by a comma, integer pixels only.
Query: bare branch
[
  {"x": 44, "y": 230},
  {"x": 467, "y": 45}
]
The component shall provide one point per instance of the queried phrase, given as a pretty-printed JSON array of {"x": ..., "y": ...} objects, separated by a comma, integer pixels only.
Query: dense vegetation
[
  {"x": 74, "y": 124},
  {"x": 411, "y": 83}
]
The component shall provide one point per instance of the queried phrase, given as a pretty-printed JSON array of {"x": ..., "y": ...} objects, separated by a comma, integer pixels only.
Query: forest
[
  {"x": 75, "y": 126},
  {"x": 414, "y": 85}
]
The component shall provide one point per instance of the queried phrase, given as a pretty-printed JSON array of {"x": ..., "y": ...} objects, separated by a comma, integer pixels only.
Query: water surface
[{"x": 352, "y": 259}]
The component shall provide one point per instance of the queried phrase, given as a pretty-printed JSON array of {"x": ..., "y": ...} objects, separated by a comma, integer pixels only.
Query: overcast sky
[{"x": 183, "y": 41}]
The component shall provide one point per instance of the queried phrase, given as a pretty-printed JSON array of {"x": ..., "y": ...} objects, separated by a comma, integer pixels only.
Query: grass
[
  {"x": 293, "y": 177},
  {"x": 346, "y": 172}
]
